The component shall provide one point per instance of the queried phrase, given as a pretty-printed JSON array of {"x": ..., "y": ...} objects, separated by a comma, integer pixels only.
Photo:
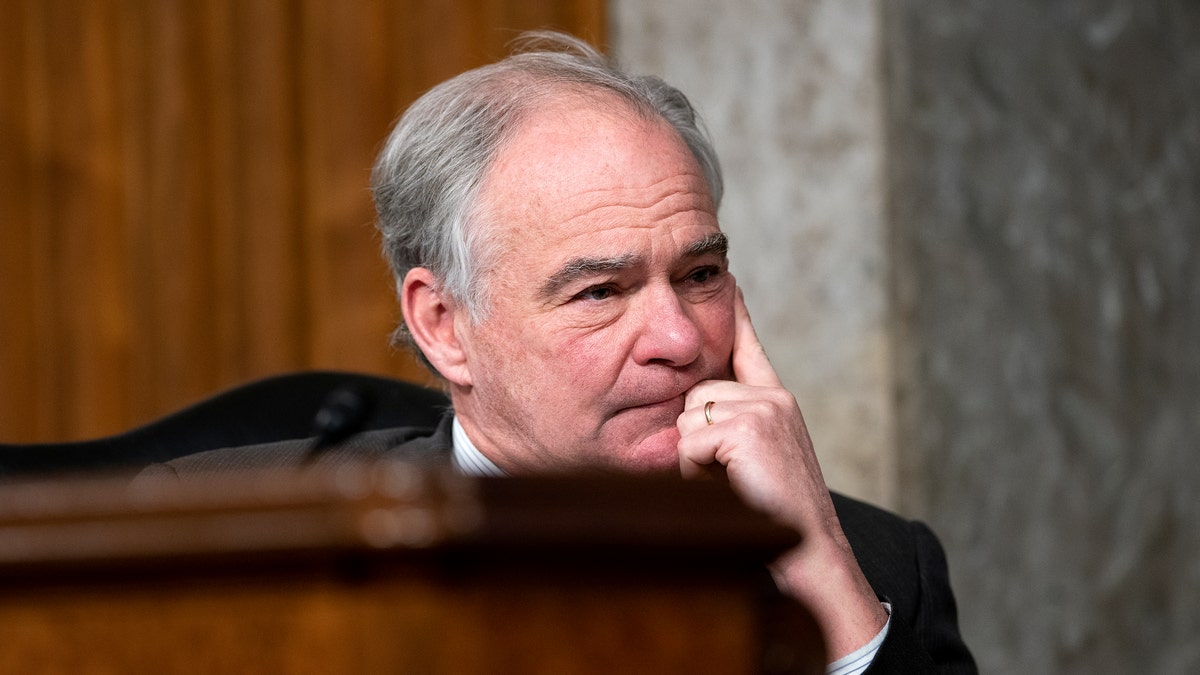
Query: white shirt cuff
[{"x": 861, "y": 658}]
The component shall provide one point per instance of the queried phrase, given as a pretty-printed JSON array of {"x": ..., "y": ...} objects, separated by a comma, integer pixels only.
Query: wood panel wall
[{"x": 184, "y": 191}]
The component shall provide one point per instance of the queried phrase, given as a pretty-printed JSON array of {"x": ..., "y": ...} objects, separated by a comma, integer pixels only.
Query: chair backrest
[{"x": 276, "y": 408}]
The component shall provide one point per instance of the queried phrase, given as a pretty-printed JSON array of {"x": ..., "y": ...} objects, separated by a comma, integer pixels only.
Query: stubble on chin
[{"x": 655, "y": 454}]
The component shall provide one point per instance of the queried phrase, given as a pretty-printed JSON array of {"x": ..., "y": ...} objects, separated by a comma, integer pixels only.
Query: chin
[{"x": 655, "y": 454}]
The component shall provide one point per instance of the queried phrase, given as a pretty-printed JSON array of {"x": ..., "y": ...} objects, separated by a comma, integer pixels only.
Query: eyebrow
[
  {"x": 584, "y": 266},
  {"x": 576, "y": 268},
  {"x": 714, "y": 244}
]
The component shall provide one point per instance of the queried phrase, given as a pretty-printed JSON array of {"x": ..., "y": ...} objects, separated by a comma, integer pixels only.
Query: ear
[{"x": 430, "y": 317}]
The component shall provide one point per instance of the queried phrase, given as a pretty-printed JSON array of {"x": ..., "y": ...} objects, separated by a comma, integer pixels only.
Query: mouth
[
  {"x": 670, "y": 407},
  {"x": 663, "y": 398}
]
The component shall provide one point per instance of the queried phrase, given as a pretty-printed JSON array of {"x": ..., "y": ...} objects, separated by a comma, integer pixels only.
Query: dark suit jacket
[{"x": 902, "y": 559}]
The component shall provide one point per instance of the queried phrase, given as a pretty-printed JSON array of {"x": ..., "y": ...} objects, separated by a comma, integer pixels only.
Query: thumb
[{"x": 750, "y": 363}]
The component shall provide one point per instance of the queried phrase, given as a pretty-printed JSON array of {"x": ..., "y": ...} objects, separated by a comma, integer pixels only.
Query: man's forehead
[
  {"x": 584, "y": 188},
  {"x": 580, "y": 153},
  {"x": 593, "y": 188}
]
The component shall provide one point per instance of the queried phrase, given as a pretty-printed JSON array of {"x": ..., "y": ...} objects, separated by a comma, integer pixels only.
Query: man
[{"x": 552, "y": 226}]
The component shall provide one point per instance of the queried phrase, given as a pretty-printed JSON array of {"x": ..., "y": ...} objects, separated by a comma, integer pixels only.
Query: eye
[
  {"x": 595, "y": 293},
  {"x": 705, "y": 274}
]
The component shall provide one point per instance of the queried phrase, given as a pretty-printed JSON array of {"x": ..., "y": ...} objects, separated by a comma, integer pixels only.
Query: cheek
[
  {"x": 501, "y": 354},
  {"x": 548, "y": 366},
  {"x": 716, "y": 323},
  {"x": 592, "y": 361}
]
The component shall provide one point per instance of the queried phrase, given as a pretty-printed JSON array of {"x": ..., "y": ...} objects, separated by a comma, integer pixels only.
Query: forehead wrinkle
[{"x": 601, "y": 199}]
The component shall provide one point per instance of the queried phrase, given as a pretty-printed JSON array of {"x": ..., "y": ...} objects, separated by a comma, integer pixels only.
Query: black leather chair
[{"x": 295, "y": 405}]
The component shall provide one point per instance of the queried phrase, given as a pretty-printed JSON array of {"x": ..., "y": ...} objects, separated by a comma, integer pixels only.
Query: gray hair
[{"x": 427, "y": 177}]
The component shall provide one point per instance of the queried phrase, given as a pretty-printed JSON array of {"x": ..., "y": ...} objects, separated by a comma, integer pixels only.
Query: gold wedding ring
[{"x": 708, "y": 412}]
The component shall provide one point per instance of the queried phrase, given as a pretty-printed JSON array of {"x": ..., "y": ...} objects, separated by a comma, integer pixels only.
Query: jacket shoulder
[{"x": 418, "y": 444}]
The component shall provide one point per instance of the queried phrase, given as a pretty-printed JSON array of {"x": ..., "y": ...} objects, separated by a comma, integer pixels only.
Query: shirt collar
[{"x": 467, "y": 458}]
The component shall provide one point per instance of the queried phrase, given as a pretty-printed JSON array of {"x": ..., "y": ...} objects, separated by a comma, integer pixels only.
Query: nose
[{"x": 667, "y": 331}]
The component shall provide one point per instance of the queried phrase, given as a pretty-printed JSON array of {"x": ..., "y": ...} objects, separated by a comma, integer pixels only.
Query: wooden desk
[{"x": 391, "y": 568}]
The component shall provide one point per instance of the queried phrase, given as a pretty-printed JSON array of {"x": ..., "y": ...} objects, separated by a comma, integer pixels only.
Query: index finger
[{"x": 750, "y": 363}]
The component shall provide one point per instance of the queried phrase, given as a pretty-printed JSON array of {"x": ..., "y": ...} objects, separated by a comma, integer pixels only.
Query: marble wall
[
  {"x": 970, "y": 231},
  {"x": 1044, "y": 178}
]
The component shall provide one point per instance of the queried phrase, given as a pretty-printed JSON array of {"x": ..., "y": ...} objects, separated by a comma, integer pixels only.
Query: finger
[
  {"x": 694, "y": 464},
  {"x": 697, "y": 453},
  {"x": 694, "y": 471},
  {"x": 697, "y": 442},
  {"x": 697, "y": 415},
  {"x": 750, "y": 363},
  {"x": 722, "y": 393}
]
